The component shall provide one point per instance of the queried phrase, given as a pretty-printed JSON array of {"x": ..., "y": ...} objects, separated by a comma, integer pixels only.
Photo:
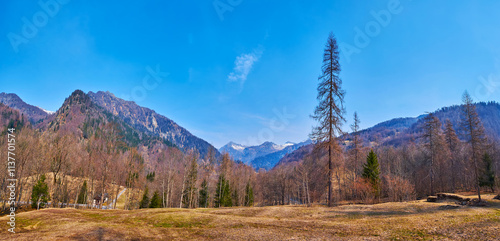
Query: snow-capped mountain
[
  {"x": 248, "y": 154},
  {"x": 237, "y": 147},
  {"x": 233, "y": 149},
  {"x": 287, "y": 144},
  {"x": 270, "y": 160},
  {"x": 46, "y": 111}
]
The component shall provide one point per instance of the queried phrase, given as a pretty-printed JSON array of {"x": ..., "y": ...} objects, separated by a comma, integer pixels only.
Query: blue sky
[{"x": 246, "y": 71}]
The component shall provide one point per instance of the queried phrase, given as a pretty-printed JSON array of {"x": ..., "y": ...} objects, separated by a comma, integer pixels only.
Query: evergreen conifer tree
[
  {"x": 203, "y": 195},
  {"x": 371, "y": 172},
  {"x": 236, "y": 197},
  {"x": 145, "y": 199},
  {"x": 488, "y": 177},
  {"x": 40, "y": 193},
  {"x": 82, "y": 196},
  {"x": 223, "y": 197},
  {"x": 155, "y": 200}
]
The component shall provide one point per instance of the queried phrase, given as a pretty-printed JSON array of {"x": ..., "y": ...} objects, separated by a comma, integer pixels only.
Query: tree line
[
  {"x": 66, "y": 170},
  {"x": 434, "y": 159},
  {"x": 82, "y": 169}
]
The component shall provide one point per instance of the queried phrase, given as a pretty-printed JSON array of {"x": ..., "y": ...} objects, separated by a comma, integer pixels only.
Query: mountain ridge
[
  {"x": 147, "y": 120},
  {"x": 401, "y": 130},
  {"x": 80, "y": 112},
  {"x": 33, "y": 113},
  {"x": 265, "y": 155},
  {"x": 81, "y": 117}
]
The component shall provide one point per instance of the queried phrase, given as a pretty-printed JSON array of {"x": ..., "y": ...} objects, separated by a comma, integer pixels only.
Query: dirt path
[{"x": 118, "y": 196}]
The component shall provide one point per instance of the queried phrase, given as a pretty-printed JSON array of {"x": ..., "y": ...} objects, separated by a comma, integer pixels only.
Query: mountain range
[
  {"x": 264, "y": 156},
  {"x": 82, "y": 113},
  {"x": 148, "y": 121},
  {"x": 400, "y": 131}
]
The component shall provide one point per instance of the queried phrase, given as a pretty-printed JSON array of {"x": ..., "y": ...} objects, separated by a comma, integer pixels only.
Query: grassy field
[{"x": 417, "y": 220}]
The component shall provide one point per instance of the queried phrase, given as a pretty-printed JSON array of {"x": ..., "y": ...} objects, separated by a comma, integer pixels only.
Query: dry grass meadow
[{"x": 416, "y": 220}]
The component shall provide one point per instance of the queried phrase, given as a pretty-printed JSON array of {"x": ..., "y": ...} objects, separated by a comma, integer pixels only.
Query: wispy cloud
[
  {"x": 261, "y": 119},
  {"x": 243, "y": 65}
]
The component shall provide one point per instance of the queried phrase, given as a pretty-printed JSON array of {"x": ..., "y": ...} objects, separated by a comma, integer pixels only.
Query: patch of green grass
[
  {"x": 96, "y": 215},
  {"x": 182, "y": 221},
  {"x": 23, "y": 222}
]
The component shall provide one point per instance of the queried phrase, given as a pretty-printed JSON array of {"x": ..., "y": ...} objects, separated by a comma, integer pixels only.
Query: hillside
[
  {"x": 10, "y": 118},
  {"x": 148, "y": 121},
  {"x": 33, "y": 113},
  {"x": 81, "y": 117},
  {"x": 400, "y": 131},
  {"x": 81, "y": 114},
  {"x": 296, "y": 155}
]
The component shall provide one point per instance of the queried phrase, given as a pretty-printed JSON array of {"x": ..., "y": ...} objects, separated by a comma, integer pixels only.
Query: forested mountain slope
[
  {"x": 33, "y": 113},
  {"x": 148, "y": 121}
]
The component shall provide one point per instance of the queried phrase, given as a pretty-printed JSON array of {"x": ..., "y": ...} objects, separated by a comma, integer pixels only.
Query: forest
[
  {"x": 85, "y": 157},
  {"x": 438, "y": 161}
]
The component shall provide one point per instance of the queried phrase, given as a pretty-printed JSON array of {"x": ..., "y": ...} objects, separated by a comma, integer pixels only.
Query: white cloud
[{"x": 243, "y": 65}]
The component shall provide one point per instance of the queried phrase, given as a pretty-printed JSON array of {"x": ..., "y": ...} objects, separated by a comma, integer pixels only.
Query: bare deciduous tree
[{"x": 474, "y": 134}]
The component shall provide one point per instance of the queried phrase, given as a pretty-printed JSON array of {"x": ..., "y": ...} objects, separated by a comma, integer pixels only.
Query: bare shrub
[
  {"x": 365, "y": 190},
  {"x": 399, "y": 189}
]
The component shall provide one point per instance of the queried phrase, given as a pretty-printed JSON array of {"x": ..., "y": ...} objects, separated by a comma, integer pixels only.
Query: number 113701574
[{"x": 11, "y": 153}]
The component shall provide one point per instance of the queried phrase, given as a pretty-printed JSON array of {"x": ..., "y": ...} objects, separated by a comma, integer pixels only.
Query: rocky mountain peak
[
  {"x": 33, "y": 113},
  {"x": 148, "y": 121},
  {"x": 77, "y": 97}
]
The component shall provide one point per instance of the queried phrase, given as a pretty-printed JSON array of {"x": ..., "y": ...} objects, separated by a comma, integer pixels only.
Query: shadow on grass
[{"x": 411, "y": 210}]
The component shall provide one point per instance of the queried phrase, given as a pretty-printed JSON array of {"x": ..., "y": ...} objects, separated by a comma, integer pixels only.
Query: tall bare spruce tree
[
  {"x": 330, "y": 111},
  {"x": 453, "y": 145},
  {"x": 474, "y": 133},
  {"x": 434, "y": 142},
  {"x": 356, "y": 142},
  {"x": 356, "y": 146}
]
